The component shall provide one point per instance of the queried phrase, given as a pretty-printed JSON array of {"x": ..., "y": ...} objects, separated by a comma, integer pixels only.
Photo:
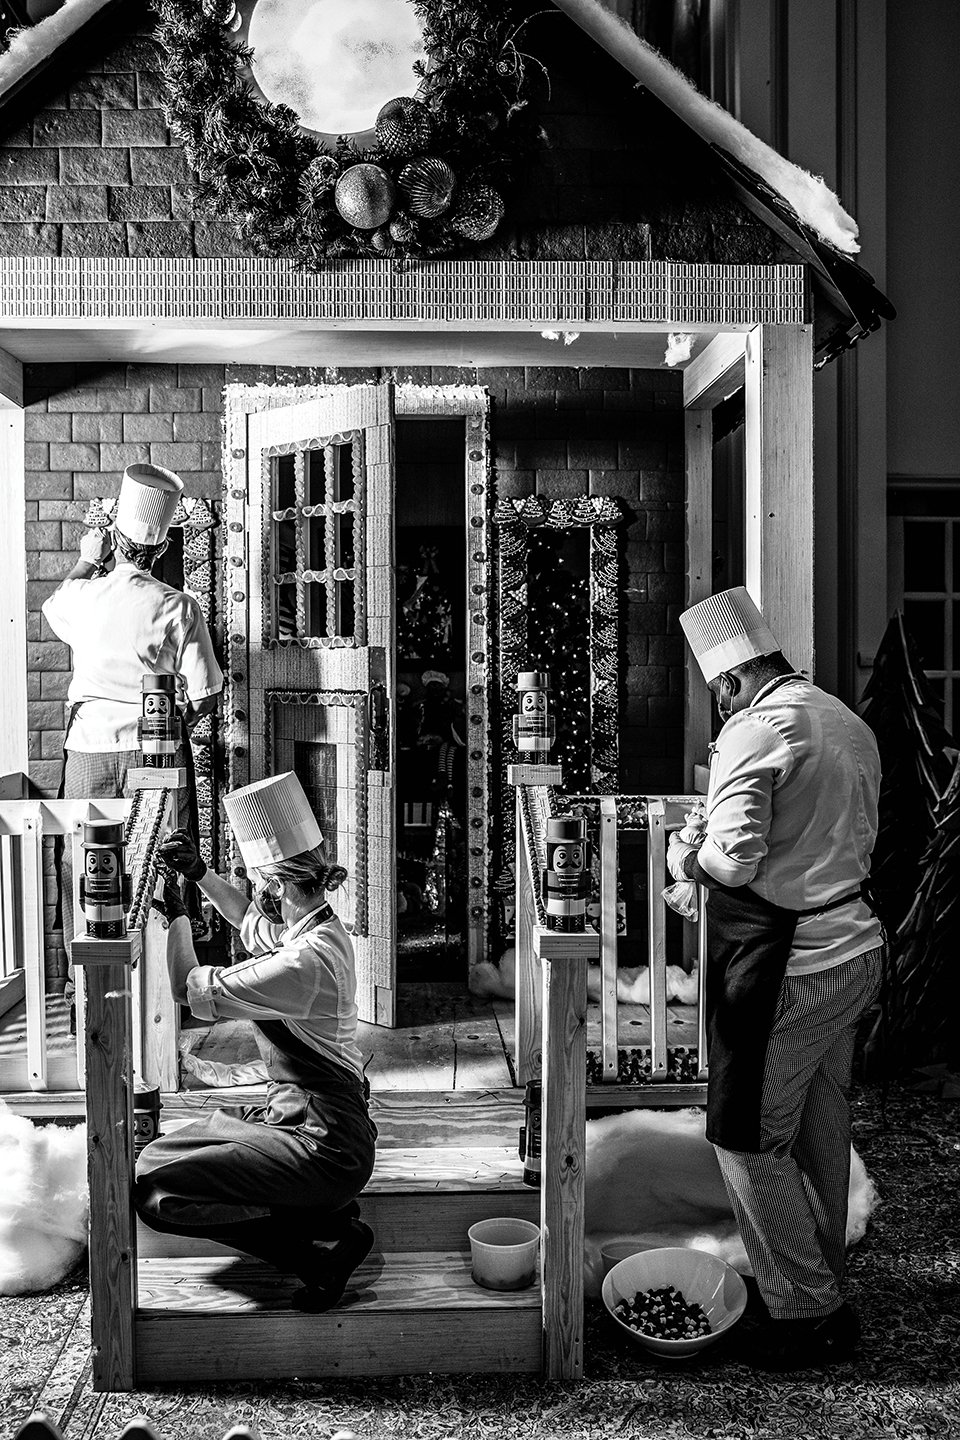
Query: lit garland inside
[{"x": 558, "y": 641}]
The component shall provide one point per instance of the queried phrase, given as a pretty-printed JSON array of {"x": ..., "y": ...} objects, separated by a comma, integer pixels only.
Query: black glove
[
  {"x": 180, "y": 853},
  {"x": 170, "y": 905}
]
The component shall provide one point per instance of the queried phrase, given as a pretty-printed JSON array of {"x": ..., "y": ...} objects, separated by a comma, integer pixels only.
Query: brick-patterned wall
[
  {"x": 613, "y": 175},
  {"x": 556, "y": 432}
]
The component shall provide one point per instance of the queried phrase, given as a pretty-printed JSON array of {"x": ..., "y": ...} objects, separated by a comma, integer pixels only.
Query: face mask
[{"x": 268, "y": 904}]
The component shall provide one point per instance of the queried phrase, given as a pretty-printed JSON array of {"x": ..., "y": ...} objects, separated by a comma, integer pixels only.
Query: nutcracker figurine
[
  {"x": 104, "y": 888},
  {"x": 534, "y": 729},
  {"x": 565, "y": 884},
  {"x": 158, "y": 728}
]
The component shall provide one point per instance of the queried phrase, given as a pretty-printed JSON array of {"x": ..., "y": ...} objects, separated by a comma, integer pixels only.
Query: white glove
[
  {"x": 677, "y": 852},
  {"x": 96, "y": 546}
]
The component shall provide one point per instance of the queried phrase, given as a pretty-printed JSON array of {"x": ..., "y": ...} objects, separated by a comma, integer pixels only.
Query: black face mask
[{"x": 268, "y": 905}]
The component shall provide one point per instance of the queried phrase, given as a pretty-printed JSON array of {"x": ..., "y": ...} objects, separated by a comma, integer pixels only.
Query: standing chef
[
  {"x": 278, "y": 1180},
  {"x": 796, "y": 957},
  {"x": 120, "y": 626}
]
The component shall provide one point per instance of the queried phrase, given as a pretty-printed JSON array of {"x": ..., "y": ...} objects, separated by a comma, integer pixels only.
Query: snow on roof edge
[
  {"x": 34, "y": 44},
  {"x": 812, "y": 200}
]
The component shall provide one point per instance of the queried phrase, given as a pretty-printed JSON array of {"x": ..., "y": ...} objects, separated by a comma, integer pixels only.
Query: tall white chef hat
[
  {"x": 725, "y": 630},
  {"x": 149, "y": 496},
  {"x": 272, "y": 820}
]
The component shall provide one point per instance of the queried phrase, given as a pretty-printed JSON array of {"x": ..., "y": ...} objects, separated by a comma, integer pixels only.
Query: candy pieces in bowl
[{"x": 675, "y": 1302}]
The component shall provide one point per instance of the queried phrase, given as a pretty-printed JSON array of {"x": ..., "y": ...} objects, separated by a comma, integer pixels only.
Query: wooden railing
[{"x": 24, "y": 825}]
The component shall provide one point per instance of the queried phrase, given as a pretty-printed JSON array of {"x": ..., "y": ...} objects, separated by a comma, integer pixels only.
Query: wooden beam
[
  {"x": 11, "y": 382},
  {"x": 529, "y": 984},
  {"x": 13, "y": 581},
  {"x": 563, "y": 1166},
  {"x": 657, "y": 935},
  {"x": 779, "y": 491},
  {"x": 31, "y": 911},
  {"x": 698, "y": 447},
  {"x": 718, "y": 371},
  {"x": 113, "y": 1236},
  {"x": 608, "y": 935}
]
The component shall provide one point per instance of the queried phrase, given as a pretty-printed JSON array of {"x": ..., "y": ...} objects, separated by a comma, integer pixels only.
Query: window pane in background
[
  {"x": 284, "y": 482},
  {"x": 345, "y": 611},
  {"x": 315, "y": 482},
  {"x": 344, "y": 541},
  {"x": 925, "y": 621},
  {"x": 286, "y": 541},
  {"x": 953, "y": 723},
  {"x": 923, "y": 555},
  {"x": 286, "y": 612},
  {"x": 343, "y": 473},
  {"x": 315, "y": 535},
  {"x": 316, "y": 602}
]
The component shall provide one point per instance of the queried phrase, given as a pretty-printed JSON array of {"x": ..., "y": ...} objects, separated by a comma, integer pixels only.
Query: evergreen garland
[{"x": 276, "y": 183}]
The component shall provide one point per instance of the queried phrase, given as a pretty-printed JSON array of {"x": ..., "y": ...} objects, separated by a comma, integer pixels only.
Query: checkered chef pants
[{"x": 790, "y": 1197}]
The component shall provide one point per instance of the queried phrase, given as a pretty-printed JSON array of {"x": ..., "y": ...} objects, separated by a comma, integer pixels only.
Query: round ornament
[
  {"x": 221, "y": 12},
  {"x": 478, "y": 212},
  {"x": 382, "y": 242},
  {"x": 364, "y": 196},
  {"x": 427, "y": 185},
  {"x": 404, "y": 127}
]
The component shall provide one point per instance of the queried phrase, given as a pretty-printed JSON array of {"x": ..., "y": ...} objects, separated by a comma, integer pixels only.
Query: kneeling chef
[{"x": 279, "y": 1180}]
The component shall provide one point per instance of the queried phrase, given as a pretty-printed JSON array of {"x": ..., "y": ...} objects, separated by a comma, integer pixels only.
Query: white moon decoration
[{"x": 335, "y": 62}]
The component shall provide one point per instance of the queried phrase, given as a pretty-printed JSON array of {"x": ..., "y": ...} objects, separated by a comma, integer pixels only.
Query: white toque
[
  {"x": 149, "y": 496},
  {"x": 271, "y": 820},
  {"x": 725, "y": 630}
]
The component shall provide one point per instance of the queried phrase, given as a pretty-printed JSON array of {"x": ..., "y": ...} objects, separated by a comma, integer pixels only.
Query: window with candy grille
[{"x": 316, "y": 554}]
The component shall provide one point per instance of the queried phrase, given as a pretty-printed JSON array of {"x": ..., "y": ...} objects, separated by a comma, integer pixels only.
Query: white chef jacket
[
  {"x": 792, "y": 812},
  {"x": 120, "y": 627},
  {"x": 304, "y": 975}
]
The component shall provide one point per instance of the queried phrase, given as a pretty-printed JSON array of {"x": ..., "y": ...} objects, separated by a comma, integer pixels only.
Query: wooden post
[
  {"x": 779, "y": 487},
  {"x": 529, "y": 982},
  {"x": 698, "y": 436},
  {"x": 657, "y": 936},
  {"x": 608, "y": 936},
  {"x": 113, "y": 1236},
  {"x": 563, "y": 1146},
  {"x": 31, "y": 900},
  {"x": 527, "y": 998},
  {"x": 156, "y": 1015}
]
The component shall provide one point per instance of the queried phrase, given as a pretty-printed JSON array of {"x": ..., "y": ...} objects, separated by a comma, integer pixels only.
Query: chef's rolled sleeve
[
  {"x": 750, "y": 761},
  {"x": 281, "y": 985},
  {"x": 196, "y": 663}
]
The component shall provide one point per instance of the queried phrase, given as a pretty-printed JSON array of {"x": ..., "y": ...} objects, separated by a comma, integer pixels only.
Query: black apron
[{"x": 748, "y": 943}]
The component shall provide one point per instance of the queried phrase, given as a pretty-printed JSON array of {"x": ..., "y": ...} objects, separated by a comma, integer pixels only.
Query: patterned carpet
[{"x": 904, "y": 1279}]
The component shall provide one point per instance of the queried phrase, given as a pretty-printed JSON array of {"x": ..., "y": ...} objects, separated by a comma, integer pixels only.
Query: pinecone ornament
[
  {"x": 478, "y": 212},
  {"x": 364, "y": 196},
  {"x": 382, "y": 242},
  {"x": 427, "y": 185},
  {"x": 318, "y": 179},
  {"x": 404, "y": 127},
  {"x": 402, "y": 229}
]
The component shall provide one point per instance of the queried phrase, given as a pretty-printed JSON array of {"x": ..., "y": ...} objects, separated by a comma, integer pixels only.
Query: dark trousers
[{"x": 232, "y": 1167}]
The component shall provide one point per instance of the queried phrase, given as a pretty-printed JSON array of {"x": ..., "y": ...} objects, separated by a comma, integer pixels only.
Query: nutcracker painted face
[
  {"x": 568, "y": 858},
  {"x": 156, "y": 703},
  {"x": 533, "y": 702},
  {"x": 100, "y": 866}
]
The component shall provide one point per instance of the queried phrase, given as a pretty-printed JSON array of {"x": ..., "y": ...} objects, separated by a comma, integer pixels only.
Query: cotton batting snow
[
  {"x": 813, "y": 201},
  {"x": 633, "y": 982},
  {"x": 43, "y": 1202},
  {"x": 30, "y": 46},
  {"x": 652, "y": 1177}
]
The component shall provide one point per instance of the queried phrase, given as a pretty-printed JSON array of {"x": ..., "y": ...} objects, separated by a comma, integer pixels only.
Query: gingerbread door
[{"x": 310, "y": 620}]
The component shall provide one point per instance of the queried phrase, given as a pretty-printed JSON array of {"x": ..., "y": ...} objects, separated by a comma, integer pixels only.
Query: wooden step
[
  {"x": 418, "y": 1199},
  {"x": 213, "y": 1320}
]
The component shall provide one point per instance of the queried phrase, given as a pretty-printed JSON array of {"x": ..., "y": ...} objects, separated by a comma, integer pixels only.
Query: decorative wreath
[{"x": 433, "y": 181}]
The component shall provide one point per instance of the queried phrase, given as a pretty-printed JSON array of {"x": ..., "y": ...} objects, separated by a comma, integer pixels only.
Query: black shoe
[
  {"x": 805, "y": 1344},
  {"x": 331, "y": 1269}
]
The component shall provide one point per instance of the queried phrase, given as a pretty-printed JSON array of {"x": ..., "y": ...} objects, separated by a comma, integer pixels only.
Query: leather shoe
[{"x": 805, "y": 1344}]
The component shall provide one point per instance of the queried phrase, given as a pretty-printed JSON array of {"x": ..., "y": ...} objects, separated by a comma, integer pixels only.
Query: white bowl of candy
[{"x": 674, "y": 1301}]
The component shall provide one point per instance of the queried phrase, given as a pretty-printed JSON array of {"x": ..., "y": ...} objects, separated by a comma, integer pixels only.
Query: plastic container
[
  {"x": 504, "y": 1253},
  {"x": 701, "y": 1278}
]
